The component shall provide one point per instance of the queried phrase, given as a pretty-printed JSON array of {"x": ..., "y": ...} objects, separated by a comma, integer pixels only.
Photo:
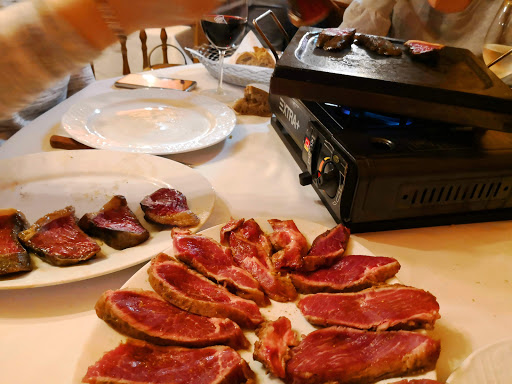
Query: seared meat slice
[
  {"x": 214, "y": 261},
  {"x": 193, "y": 292},
  {"x": 273, "y": 347},
  {"x": 251, "y": 250},
  {"x": 138, "y": 362},
  {"x": 169, "y": 207},
  {"x": 58, "y": 240},
  {"x": 290, "y": 243},
  {"x": 327, "y": 248},
  {"x": 377, "y": 309},
  {"x": 345, "y": 355},
  {"x": 350, "y": 273},
  {"x": 13, "y": 257},
  {"x": 145, "y": 315},
  {"x": 115, "y": 224},
  {"x": 335, "y": 39},
  {"x": 378, "y": 44},
  {"x": 422, "y": 50}
]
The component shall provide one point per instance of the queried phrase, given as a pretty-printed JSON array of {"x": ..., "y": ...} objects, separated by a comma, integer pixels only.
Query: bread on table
[
  {"x": 255, "y": 101},
  {"x": 260, "y": 57}
]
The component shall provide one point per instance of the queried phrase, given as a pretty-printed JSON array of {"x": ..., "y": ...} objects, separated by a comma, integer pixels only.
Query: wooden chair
[{"x": 146, "y": 57}]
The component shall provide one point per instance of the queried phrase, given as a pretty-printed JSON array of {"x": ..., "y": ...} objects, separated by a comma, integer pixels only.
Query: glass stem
[{"x": 222, "y": 53}]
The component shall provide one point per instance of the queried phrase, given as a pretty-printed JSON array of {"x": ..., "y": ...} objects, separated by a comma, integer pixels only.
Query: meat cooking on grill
[
  {"x": 345, "y": 355},
  {"x": 350, "y": 273},
  {"x": 57, "y": 239},
  {"x": 251, "y": 249},
  {"x": 335, "y": 39},
  {"x": 137, "y": 362},
  {"x": 169, "y": 207},
  {"x": 378, "y": 308},
  {"x": 378, "y": 44},
  {"x": 290, "y": 243},
  {"x": 273, "y": 346},
  {"x": 115, "y": 224},
  {"x": 214, "y": 261},
  {"x": 145, "y": 315},
  {"x": 193, "y": 292},
  {"x": 13, "y": 257},
  {"x": 327, "y": 248},
  {"x": 423, "y": 50}
]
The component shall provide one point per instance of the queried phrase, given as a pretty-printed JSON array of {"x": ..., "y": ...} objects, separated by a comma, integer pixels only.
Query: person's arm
[{"x": 369, "y": 16}]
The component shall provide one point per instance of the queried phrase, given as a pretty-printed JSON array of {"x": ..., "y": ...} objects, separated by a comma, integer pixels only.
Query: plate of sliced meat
[
  {"x": 240, "y": 286},
  {"x": 72, "y": 215}
]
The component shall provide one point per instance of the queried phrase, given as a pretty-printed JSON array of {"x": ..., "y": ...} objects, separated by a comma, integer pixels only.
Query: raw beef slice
[
  {"x": 13, "y": 257},
  {"x": 138, "y": 362},
  {"x": 327, "y": 248},
  {"x": 145, "y": 315},
  {"x": 290, "y": 243},
  {"x": 339, "y": 355}
]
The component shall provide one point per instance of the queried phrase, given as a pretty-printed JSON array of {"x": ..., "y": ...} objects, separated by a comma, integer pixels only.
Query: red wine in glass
[{"x": 223, "y": 31}]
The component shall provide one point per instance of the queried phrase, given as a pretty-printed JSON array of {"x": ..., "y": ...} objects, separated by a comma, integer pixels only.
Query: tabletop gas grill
[{"x": 389, "y": 142}]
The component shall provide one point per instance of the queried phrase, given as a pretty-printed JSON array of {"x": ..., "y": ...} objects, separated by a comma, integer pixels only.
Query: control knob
[{"x": 328, "y": 178}]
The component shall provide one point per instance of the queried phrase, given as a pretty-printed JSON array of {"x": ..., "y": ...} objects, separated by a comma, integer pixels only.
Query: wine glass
[
  {"x": 497, "y": 50},
  {"x": 224, "y": 27}
]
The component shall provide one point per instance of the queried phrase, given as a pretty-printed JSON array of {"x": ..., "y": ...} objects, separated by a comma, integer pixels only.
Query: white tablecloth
[{"x": 467, "y": 267}]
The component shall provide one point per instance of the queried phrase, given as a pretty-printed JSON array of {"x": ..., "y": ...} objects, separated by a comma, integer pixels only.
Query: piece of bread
[
  {"x": 255, "y": 102},
  {"x": 260, "y": 57}
]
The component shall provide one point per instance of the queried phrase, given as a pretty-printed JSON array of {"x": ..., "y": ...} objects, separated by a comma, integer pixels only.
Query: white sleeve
[{"x": 369, "y": 16}]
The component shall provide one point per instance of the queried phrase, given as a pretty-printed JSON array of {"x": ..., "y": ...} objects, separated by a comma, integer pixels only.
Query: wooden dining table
[{"x": 43, "y": 330}]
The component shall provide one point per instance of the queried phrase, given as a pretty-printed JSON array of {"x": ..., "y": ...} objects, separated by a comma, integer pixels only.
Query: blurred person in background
[
  {"x": 459, "y": 23},
  {"x": 42, "y": 42}
]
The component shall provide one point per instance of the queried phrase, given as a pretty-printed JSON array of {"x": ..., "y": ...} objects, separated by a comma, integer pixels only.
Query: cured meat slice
[
  {"x": 138, "y": 362},
  {"x": 169, "y": 207},
  {"x": 423, "y": 50},
  {"x": 291, "y": 245},
  {"x": 379, "y": 308},
  {"x": 115, "y": 224},
  {"x": 327, "y": 248},
  {"x": 335, "y": 39},
  {"x": 145, "y": 315},
  {"x": 350, "y": 273},
  {"x": 416, "y": 381},
  {"x": 58, "y": 240},
  {"x": 273, "y": 347},
  {"x": 251, "y": 250},
  {"x": 213, "y": 260},
  {"x": 344, "y": 355},
  {"x": 378, "y": 44},
  {"x": 193, "y": 292},
  {"x": 13, "y": 257}
]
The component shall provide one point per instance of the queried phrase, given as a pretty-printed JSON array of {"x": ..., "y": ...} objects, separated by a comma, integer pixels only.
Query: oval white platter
[
  {"x": 154, "y": 121},
  {"x": 103, "y": 338},
  {"x": 41, "y": 183}
]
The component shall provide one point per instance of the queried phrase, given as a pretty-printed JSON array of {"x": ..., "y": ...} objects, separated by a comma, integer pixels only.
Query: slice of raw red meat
[
  {"x": 378, "y": 308},
  {"x": 273, "y": 347},
  {"x": 291, "y": 245},
  {"x": 327, "y": 248},
  {"x": 115, "y": 224},
  {"x": 350, "y": 273},
  {"x": 13, "y": 257},
  {"x": 145, "y": 315},
  {"x": 345, "y": 355},
  {"x": 229, "y": 227},
  {"x": 214, "y": 261},
  {"x": 251, "y": 250},
  {"x": 193, "y": 292},
  {"x": 57, "y": 239},
  {"x": 169, "y": 207},
  {"x": 138, "y": 362}
]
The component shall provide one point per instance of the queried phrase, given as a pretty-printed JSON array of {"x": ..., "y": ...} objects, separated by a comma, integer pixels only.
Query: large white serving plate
[
  {"x": 103, "y": 338},
  {"x": 154, "y": 121},
  {"x": 491, "y": 364},
  {"x": 41, "y": 183}
]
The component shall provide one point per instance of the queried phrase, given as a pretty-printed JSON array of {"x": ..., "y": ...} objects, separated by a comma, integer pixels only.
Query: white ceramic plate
[
  {"x": 154, "y": 121},
  {"x": 41, "y": 183},
  {"x": 488, "y": 365},
  {"x": 104, "y": 338}
]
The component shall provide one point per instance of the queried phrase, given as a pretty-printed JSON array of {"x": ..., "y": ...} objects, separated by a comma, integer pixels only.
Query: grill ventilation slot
[{"x": 461, "y": 192}]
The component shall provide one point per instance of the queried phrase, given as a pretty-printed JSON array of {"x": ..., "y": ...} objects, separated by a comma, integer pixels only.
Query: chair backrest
[{"x": 146, "y": 57}]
